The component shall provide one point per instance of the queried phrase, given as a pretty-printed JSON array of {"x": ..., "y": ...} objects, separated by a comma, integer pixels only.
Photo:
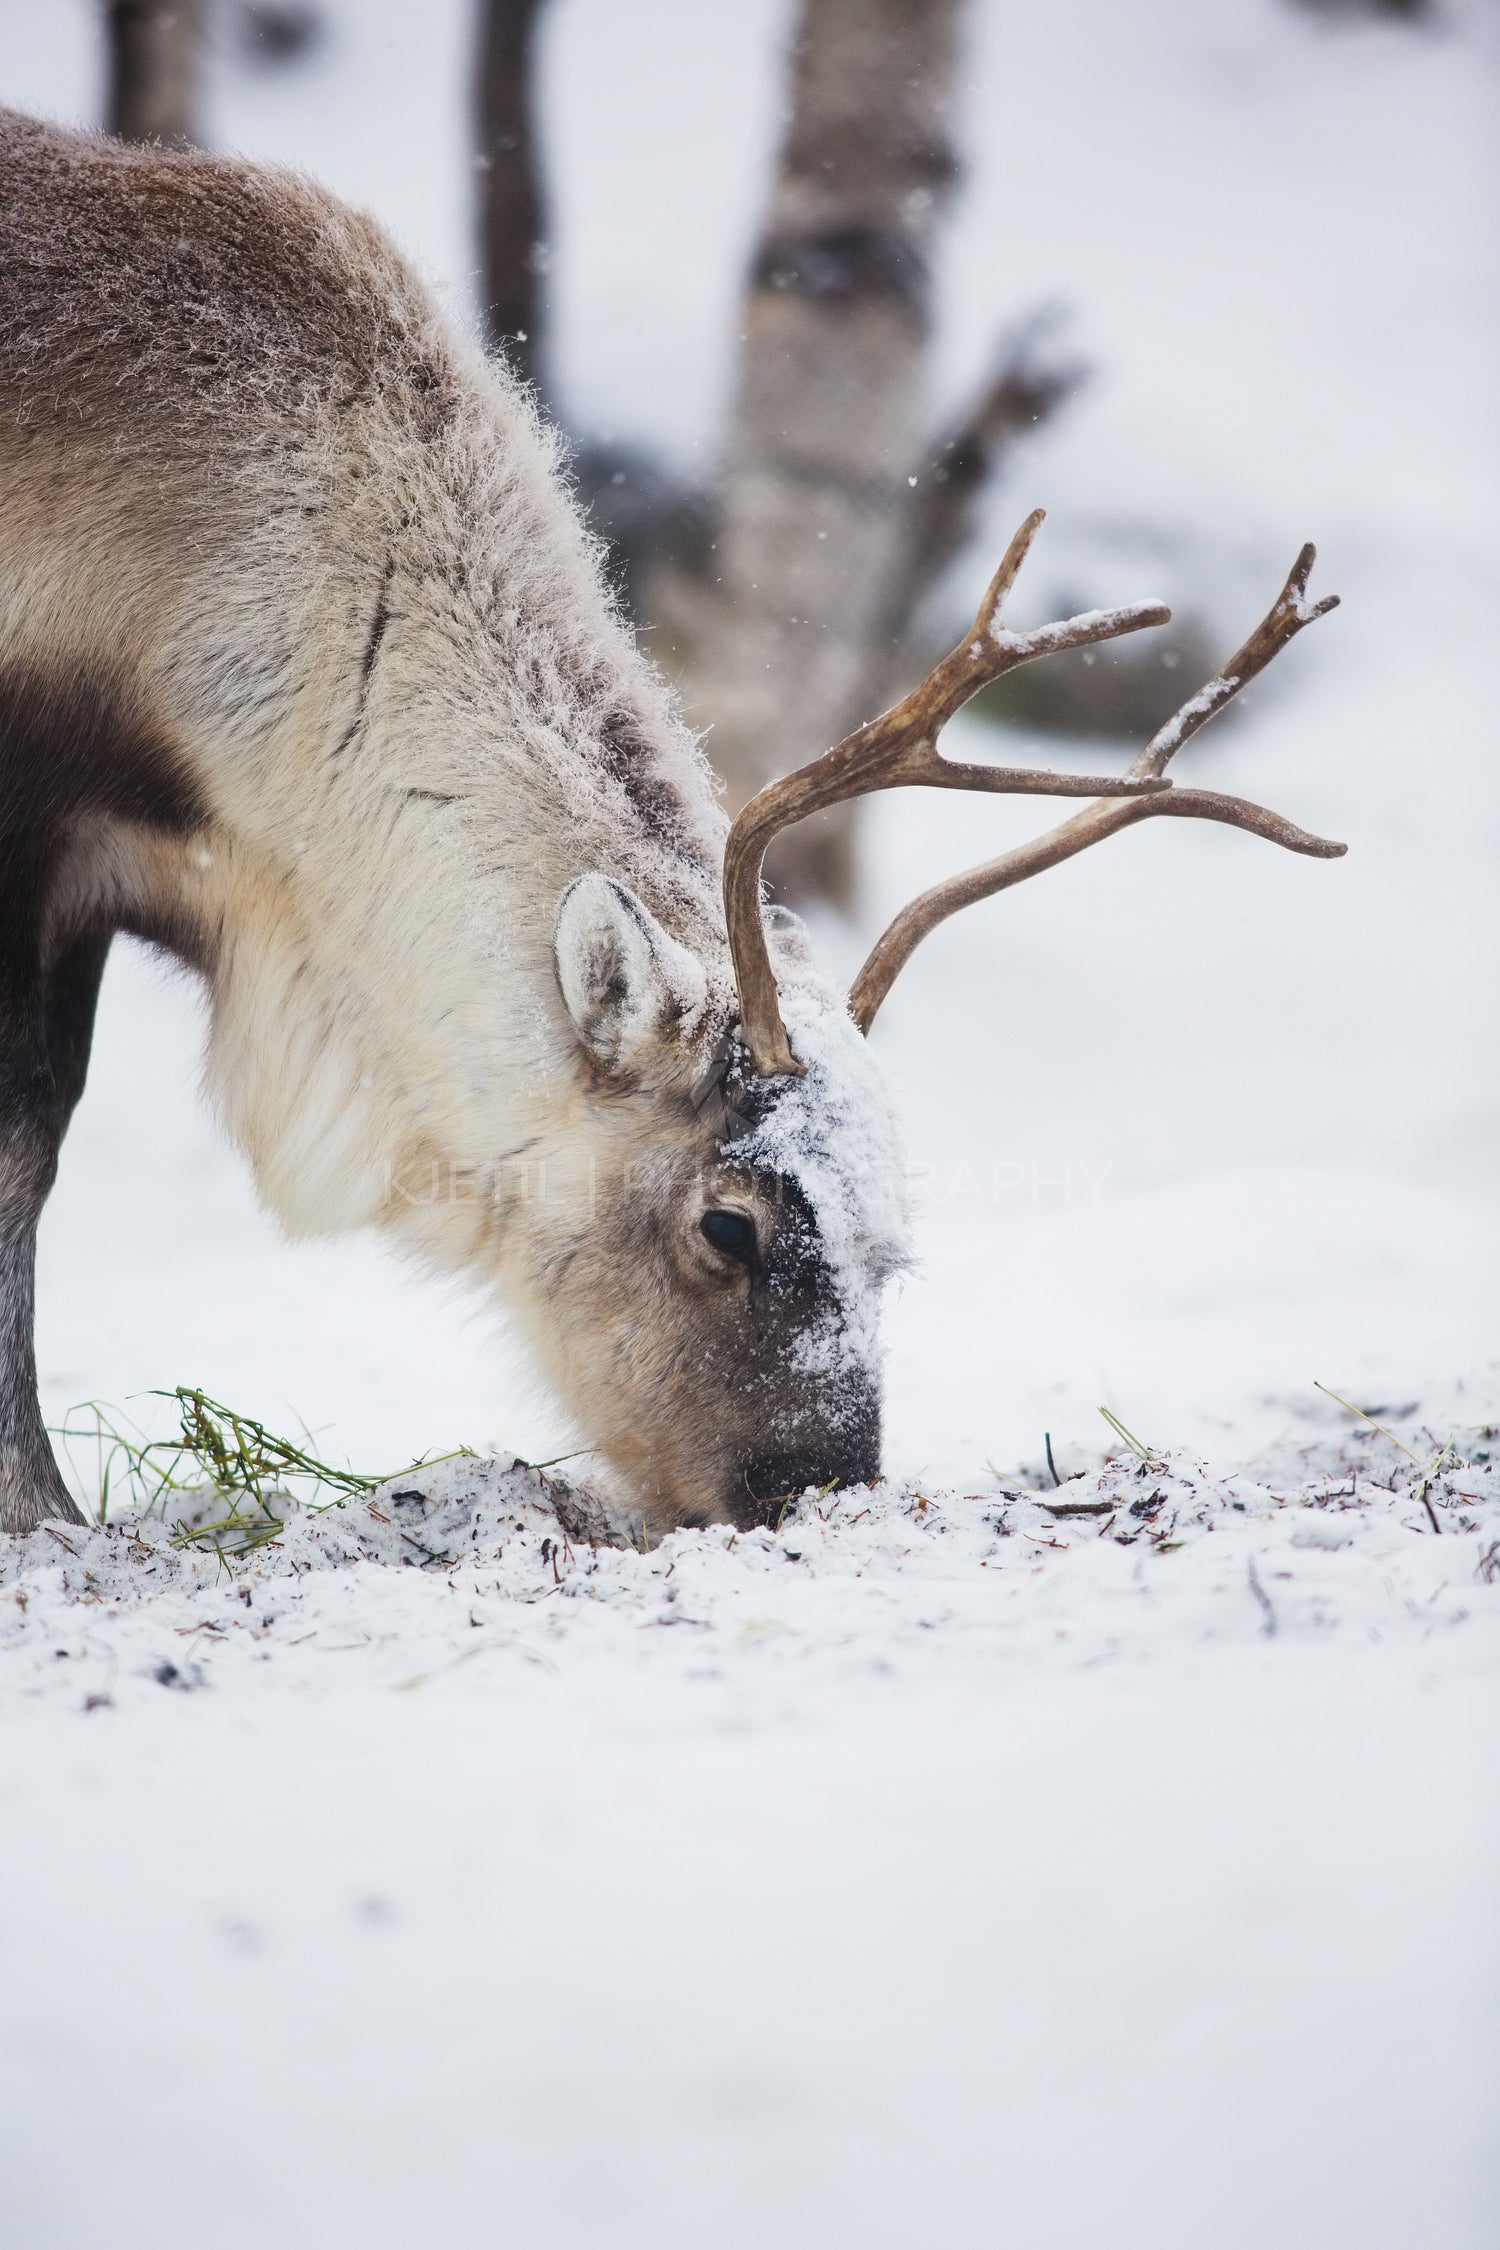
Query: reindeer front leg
[{"x": 46, "y": 1028}]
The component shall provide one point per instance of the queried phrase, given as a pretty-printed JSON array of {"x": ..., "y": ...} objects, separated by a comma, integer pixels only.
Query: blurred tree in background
[
  {"x": 836, "y": 507},
  {"x": 159, "y": 53},
  {"x": 155, "y": 71},
  {"x": 784, "y": 594},
  {"x": 1410, "y": 11},
  {"x": 512, "y": 212},
  {"x": 791, "y": 594}
]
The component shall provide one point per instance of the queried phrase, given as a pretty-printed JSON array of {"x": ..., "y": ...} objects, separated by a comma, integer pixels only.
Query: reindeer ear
[{"x": 626, "y": 981}]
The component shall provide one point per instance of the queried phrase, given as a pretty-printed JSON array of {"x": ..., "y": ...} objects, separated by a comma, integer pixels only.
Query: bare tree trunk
[
  {"x": 155, "y": 69},
  {"x": 512, "y": 210},
  {"x": 785, "y": 598},
  {"x": 773, "y": 644}
]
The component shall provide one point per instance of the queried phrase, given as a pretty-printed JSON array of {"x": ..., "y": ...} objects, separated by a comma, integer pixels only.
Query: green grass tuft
[{"x": 218, "y": 1450}]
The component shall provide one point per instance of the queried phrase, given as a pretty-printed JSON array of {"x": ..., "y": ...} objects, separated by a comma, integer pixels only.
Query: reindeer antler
[
  {"x": 899, "y": 751},
  {"x": 1285, "y": 619}
]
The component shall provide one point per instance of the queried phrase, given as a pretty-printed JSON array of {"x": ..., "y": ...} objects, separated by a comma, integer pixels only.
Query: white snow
[
  {"x": 831, "y": 1131},
  {"x": 948, "y": 1883},
  {"x": 1168, "y": 739},
  {"x": 939, "y": 1866},
  {"x": 851, "y": 1574},
  {"x": 1068, "y": 632}
]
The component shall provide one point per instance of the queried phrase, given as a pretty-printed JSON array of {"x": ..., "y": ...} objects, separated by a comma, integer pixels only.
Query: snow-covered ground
[
  {"x": 1115, "y": 1863},
  {"x": 974, "y": 1876},
  {"x": 1111, "y": 1863}
]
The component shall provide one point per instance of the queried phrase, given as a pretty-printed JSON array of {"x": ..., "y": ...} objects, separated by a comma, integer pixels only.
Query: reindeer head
[
  {"x": 710, "y": 1269},
  {"x": 705, "y": 1284}
]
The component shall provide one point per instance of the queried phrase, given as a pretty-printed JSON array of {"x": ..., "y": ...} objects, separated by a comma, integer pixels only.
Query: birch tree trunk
[
  {"x": 772, "y": 643},
  {"x": 155, "y": 70},
  {"x": 512, "y": 204},
  {"x": 786, "y": 598}
]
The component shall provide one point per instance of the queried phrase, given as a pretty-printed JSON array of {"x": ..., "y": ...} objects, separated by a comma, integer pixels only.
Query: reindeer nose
[{"x": 767, "y": 1481}]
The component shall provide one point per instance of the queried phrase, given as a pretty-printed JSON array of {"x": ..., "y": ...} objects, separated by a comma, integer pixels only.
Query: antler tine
[
  {"x": 1282, "y": 622},
  {"x": 1010, "y": 567},
  {"x": 899, "y": 750}
]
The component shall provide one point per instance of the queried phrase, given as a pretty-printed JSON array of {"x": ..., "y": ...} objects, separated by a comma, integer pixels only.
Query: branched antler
[
  {"x": 899, "y": 751},
  {"x": 1286, "y": 618}
]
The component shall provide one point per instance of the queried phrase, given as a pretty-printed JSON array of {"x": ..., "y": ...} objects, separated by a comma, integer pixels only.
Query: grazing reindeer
[{"x": 308, "y": 674}]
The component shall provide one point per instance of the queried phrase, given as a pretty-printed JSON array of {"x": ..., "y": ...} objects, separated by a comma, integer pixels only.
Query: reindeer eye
[{"x": 731, "y": 1233}]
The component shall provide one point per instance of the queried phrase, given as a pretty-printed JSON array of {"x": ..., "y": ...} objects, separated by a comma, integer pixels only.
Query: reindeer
[{"x": 309, "y": 676}]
